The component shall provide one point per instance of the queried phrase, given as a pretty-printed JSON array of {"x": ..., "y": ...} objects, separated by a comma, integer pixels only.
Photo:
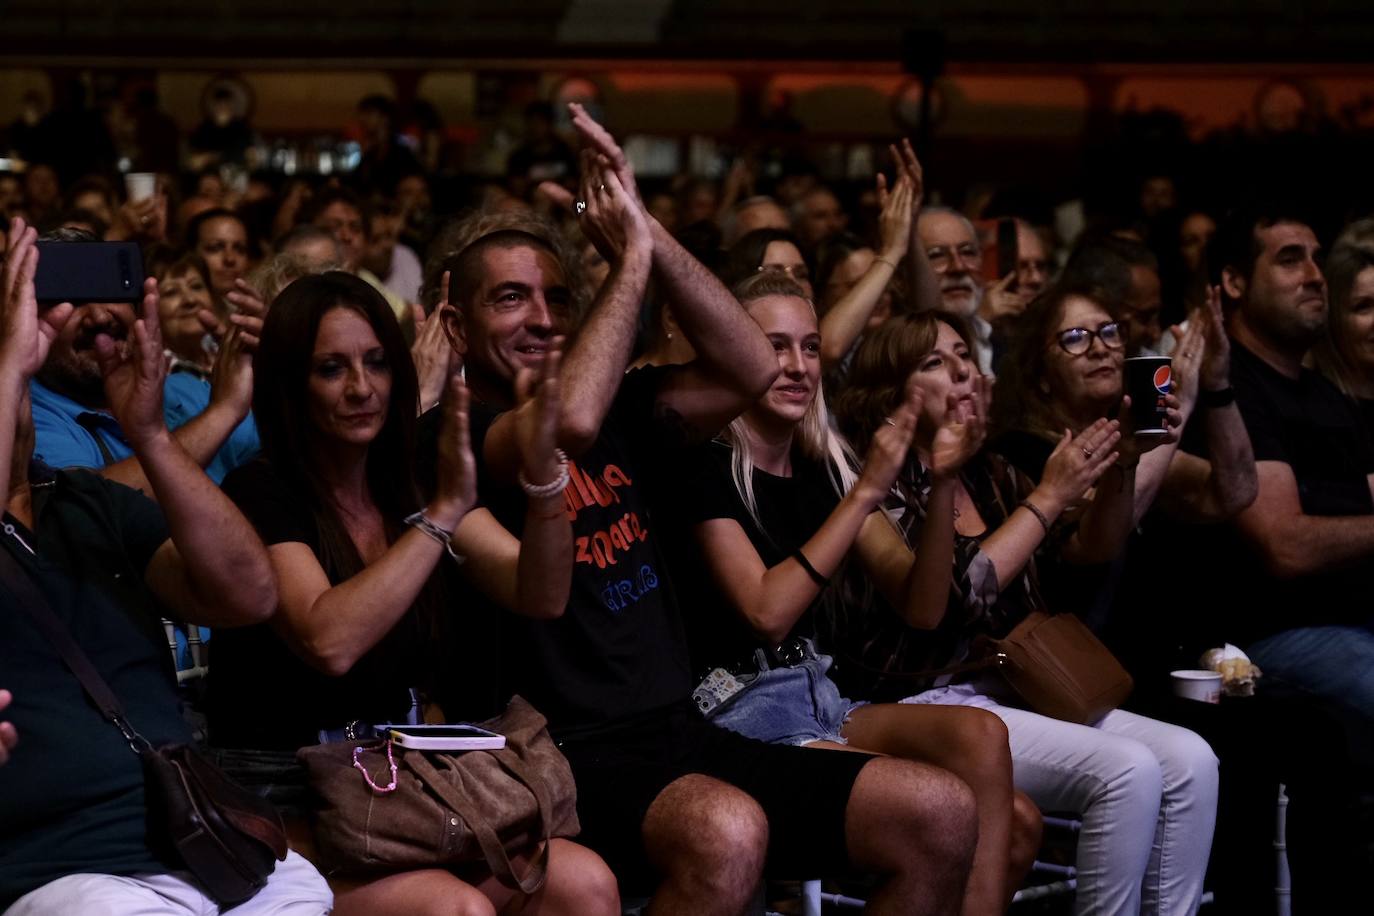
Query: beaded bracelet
[{"x": 552, "y": 488}]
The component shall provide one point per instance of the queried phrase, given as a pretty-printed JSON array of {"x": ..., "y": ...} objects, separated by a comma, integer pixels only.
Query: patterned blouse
[{"x": 878, "y": 656}]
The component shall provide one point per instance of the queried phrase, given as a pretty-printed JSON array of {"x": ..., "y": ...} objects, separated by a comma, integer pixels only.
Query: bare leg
[
  {"x": 427, "y": 892},
  {"x": 1027, "y": 826},
  {"x": 709, "y": 841},
  {"x": 971, "y": 744},
  {"x": 578, "y": 883},
  {"x": 915, "y": 826}
]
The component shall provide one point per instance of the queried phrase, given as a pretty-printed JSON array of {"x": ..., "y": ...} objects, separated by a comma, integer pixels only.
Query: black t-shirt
[
  {"x": 262, "y": 695},
  {"x": 618, "y": 651},
  {"x": 1307, "y": 424},
  {"x": 790, "y": 511},
  {"x": 71, "y": 797}
]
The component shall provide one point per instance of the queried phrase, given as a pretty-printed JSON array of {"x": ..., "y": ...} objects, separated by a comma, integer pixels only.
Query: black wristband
[
  {"x": 1223, "y": 398},
  {"x": 811, "y": 571}
]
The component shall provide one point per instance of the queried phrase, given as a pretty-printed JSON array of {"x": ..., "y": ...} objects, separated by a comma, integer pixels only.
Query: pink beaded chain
[{"x": 391, "y": 761}]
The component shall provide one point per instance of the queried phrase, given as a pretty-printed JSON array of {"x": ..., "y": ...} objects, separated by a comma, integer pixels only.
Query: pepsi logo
[{"x": 1164, "y": 377}]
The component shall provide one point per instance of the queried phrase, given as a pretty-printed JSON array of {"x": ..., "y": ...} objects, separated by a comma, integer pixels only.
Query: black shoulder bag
[{"x": 226, "y": 836}]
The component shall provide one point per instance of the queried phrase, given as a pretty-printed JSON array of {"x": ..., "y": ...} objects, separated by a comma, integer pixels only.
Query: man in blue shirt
[{"x": 72, "y": 420}]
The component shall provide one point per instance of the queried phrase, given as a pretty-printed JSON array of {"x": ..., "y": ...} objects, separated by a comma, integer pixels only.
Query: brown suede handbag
[
  {"x": 446, "y": 809},
  {"x": 1061, "y": 669}
]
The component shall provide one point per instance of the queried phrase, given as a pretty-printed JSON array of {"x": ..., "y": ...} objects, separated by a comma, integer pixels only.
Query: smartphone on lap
[{"x": 444, "y": 737}]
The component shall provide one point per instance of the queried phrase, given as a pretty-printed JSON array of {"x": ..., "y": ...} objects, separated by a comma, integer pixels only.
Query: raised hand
[
  {"x": 894, "y": 222},
  {"x": 613, "y": 219},
  {"x": 909, "y": 168},
  {"x": 431, "y": 351},
  {"x": 1133, "y": 446},
  {"x": 888, "y": 450},
  {"x": 536, "y": 417},
  {"x": 1189, "y": 347},
  {"x": 134, "y": 372},
  {"x": 9, "y": 737},
  {"x": 25, "y": 335},
  {"x": 141, "y": 220},
  {"x": 1004, "y": 302},
  {"x": 597, "y": 139},
  {"x": 1076, "y": 463},
  {"x": 1216, "y": 367},
  {"x": 961, "y": 434},
  {"x": 455, "y": 491}
]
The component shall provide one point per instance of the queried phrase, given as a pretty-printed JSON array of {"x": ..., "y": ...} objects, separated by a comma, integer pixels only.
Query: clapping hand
[
  {"x": 910, "y": 169},
  {"x": 537, "y": 415},
  {"x": 963, "y": 431},
  {"x": 894, "y": 222},
  {"x": 456, "y": 484},
  {"x": 1076, "y": 463},
  {"x": 134, "y": 370},
  {"x": 27, "y": 334},
  {"x": 887, "y": 452},
  {"x": 9, "y": 737},
  {"x": 434, "y": 356},
  {"x": 613, "y": 219}
]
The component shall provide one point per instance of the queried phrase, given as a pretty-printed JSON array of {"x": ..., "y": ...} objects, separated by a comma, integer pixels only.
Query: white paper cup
[
  {"x": 140, "y": 185},
  {"x": 1203, "y": 686}
]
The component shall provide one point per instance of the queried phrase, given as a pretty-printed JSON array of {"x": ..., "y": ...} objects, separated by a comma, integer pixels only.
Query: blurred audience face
[
  {"x": 349, "y": 386},
  {"x": 381, "y": 245},
  {"x": 663, "y": 207},
  {"x": 1157, "y": 195},
  {"x": 948, "y": 369},
  {"x": 11, "y": 194},
  {"x": 182, "y": 294},
  {"x": 790, "y": 325},
  {"x": 412, "y": 194},
  {"x": 1356, "y": 331},
  {"x": 316, "y": 255},
  {"x": 1032, "y": 261},
  {"x": 41, "y": 189},
  {"x": 343, "y": 221},
  {"x": 1284, "y": 298},
  {"x": 846, "y": 275},
  {"x": 211, "y": 186},
  {"x": 760, "y": 213},
  {"x": 95, "y": 202},
  {"x": 700, "y": 204},
  {"x": 71, "y": 368},
  {"x": 1139, "y": 315},
  {"x": 819, "y": 216},
  {"x": 223, "y": 243},
  {"x": 1086, "y": 383},
  {"x": 1194, "y": 233},
  {"x": 508, "y": 322},
  {"x": 784, "y": 258},
  {"x": 952, "y": 248}
]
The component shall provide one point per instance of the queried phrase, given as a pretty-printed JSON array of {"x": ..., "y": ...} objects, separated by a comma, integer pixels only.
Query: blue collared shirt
[{"x": 70, "y": 435}]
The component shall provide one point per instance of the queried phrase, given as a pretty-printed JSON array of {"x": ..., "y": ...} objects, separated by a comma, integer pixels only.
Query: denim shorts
[{"x": 794, "y": 705}]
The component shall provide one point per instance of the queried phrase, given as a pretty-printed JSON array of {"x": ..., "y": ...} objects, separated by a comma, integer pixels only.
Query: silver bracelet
[
  {"x": 554, "y": 487},
  {"x": 421, "y": 523}
]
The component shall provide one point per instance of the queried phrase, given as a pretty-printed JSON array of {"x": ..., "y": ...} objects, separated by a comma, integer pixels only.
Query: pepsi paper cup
[
  {"x": 1203, "y": 686},
  {"x": 1148, "y": 380}
]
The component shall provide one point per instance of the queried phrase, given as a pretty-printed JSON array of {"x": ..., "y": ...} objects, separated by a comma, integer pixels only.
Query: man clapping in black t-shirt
[{"x": 657, "y": 786}]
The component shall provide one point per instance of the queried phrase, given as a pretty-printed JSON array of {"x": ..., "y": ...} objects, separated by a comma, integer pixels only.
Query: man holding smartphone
[
  {"x": 72, "y": 418},
  {"x": 106, "y": 562}
]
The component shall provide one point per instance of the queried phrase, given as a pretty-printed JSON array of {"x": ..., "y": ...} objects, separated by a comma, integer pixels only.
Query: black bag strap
[{"x": 36, "y": 607}]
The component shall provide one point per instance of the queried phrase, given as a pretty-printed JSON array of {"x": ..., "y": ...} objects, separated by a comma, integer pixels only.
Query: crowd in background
[{"x": 717, "y": 445}]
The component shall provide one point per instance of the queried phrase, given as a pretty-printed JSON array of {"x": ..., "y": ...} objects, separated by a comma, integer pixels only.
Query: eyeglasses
[
  {"x": 1077, "y": 341},
  {"x": 942, "y": 256},
  {"x": 797, "y": 272}
]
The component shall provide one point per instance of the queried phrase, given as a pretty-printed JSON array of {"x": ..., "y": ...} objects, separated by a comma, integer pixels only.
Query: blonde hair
[{"x": 815, "y": 434}]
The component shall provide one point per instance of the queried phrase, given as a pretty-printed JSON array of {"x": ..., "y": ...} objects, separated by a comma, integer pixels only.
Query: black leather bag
[{"x": 228, "y": 837}]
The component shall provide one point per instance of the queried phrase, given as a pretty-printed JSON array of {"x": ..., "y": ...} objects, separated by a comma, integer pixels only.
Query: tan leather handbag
[
  {"x": 386, "y": 808},
  {"x": 1061, "y": 669}
]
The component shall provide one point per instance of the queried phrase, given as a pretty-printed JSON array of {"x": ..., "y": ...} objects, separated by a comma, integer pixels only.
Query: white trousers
[
  {"x": 295, "y": 889},
  {"x": 1145, "y": 790}
]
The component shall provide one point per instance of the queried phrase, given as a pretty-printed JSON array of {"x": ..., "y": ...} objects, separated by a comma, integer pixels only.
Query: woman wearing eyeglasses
[
  {"x": 772, "y": 251},
  {"x": 1146, "y": 791}
]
